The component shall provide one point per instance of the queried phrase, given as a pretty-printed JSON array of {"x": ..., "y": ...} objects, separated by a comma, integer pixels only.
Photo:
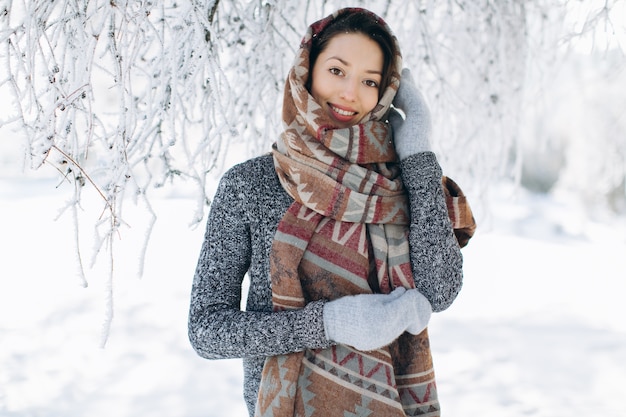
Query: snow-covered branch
[{"x": 129, "y": 96}]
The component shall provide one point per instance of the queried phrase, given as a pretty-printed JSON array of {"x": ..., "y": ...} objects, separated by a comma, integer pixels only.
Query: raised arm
[{"x": 435, "y": 254}]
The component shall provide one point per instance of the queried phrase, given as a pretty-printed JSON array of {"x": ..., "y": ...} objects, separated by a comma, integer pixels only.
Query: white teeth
[{"x": 343, "y": 112}]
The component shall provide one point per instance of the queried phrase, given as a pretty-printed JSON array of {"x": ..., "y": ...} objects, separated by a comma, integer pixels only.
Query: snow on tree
[{"x": 125, "y": 97}]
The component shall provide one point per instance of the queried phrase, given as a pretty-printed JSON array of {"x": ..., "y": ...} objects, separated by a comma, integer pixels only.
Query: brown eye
[{"x": 335, "y": 71}]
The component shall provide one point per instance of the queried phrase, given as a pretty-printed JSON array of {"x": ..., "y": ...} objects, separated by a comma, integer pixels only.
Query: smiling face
[{"x": 346, "y": 78}]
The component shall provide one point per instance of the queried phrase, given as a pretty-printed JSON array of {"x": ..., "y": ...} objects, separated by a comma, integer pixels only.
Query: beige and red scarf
[{"x": 346, "y": 233}]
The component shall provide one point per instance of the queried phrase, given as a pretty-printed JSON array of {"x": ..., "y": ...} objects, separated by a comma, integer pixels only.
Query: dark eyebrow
[{"x": 346, "y": 63}]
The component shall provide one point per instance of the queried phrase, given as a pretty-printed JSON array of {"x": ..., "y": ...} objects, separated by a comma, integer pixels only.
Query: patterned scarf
[{"x": 346, "y": 233}]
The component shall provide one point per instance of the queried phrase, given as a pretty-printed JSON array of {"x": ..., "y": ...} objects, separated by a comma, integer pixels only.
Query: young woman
[{"x": 344, "y": 233}]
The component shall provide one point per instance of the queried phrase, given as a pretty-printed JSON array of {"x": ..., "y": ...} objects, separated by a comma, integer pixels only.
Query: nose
[{"x": 349, "y": 91}]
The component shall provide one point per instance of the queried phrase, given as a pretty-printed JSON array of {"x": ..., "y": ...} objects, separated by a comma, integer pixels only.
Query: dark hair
[{"x": 356, "y": 22}]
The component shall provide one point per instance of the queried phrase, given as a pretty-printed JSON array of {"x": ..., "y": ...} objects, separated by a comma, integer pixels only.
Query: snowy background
[{"x": 538, "y": 329}]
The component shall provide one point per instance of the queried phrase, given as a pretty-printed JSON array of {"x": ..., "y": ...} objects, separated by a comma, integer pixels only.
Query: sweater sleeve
[
  {"x": 217, "y": 326},
  {"x": 435, "y": 254}
]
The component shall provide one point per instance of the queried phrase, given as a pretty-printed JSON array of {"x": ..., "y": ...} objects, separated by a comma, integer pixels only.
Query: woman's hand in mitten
[
  {"x": 366, "y": 321},
  {"x": 411, "y": 135},
  {"x": 418, "y": 310}
]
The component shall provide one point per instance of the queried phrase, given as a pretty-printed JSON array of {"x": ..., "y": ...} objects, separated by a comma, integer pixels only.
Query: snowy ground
[{"x": 538, "y": 330}]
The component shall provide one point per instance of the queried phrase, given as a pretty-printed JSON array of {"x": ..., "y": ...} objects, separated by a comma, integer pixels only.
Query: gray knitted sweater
[{"x": 244, "y": 215}]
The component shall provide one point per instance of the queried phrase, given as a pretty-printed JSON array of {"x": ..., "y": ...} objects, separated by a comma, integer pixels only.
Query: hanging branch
[{"x": 137, "y": 96}]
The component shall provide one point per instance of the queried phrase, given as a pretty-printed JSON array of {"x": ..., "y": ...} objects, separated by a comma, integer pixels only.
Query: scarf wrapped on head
[
  {"x": 347, "y": 177},
  {"x": 346, "y": 233}
]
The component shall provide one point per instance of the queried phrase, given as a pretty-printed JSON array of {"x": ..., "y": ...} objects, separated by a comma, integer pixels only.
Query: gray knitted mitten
[
  {"x": 418, "y": 310},
  {"x": 412, "y": 134},
  {"x": 371, "y": 321}
]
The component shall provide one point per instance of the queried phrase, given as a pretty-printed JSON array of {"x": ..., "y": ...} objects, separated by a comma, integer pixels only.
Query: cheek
[
  {"x": 318, "y": 85},
  {"x": 370, "y": 99},
  {"x": 316, "y": 93}
]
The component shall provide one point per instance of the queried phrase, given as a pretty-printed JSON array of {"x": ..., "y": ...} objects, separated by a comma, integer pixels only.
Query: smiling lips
[{"x": 340, "y": 114}]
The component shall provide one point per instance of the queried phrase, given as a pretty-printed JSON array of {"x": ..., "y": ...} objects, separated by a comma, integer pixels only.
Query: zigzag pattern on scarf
[
  {"x": 346, "y": 233},
  {"x": 366, "y": 382}
]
